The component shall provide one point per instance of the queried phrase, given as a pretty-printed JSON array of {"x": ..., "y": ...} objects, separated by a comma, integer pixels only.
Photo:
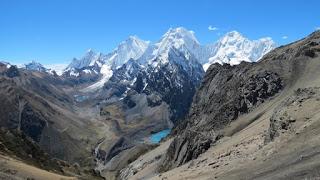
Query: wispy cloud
[
  {"x": 211, "y": 28},
  {"x": 284, "y": 37},
  {"x": 318, "y": 28}
]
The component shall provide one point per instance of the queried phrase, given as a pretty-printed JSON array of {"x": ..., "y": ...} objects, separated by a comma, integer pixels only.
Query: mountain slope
[
  {"x": 252, "y": 121},
  {"x": 35, "y": 104}
]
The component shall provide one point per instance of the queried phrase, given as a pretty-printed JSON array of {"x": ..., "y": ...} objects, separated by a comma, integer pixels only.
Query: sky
[{"x": 55, "y": 31}]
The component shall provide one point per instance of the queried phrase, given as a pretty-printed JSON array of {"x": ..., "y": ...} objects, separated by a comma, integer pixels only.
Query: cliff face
[{"x": 228, "y": 92}]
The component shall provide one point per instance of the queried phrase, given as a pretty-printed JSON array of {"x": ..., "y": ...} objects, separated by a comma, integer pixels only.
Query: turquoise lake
[{"x": 156, "y": 137}]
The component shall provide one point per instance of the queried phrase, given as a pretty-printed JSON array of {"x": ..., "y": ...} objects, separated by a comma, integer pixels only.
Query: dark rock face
[
  {"x": 176, "y": 89},
  {"x": 227, "y": 92},
  {"x": 184, "y": 148},
  {"x": 258, "y": 88}
]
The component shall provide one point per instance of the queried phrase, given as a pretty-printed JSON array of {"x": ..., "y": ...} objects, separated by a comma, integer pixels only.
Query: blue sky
[{"x": 54, "y": 31}]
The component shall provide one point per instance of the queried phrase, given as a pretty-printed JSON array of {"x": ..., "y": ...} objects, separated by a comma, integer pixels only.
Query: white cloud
[
  {"x": 284, "y": 37},
  {"x": 318, "y": 28},
  {"x": 57, "y": 67},
  {"x": 211, "y": 28}
]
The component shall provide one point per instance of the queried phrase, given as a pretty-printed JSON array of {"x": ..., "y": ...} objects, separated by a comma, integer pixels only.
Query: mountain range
[
  {"x": 232, "y": 48},
  {"x": 109, "y": 104}
]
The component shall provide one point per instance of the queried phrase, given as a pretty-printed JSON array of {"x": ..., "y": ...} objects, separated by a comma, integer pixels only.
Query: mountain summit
[
  {"x": 233, "y": 48},
  {"x": 175, "y": 38}
]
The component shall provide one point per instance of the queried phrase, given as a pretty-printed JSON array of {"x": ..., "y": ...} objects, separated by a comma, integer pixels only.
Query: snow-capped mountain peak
[
  {"x": 233, "y": 48},
  {"x": 175, "y": 38},
  {"x": 132, "y": 48},
  {"x": 35, "y": 66}
]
